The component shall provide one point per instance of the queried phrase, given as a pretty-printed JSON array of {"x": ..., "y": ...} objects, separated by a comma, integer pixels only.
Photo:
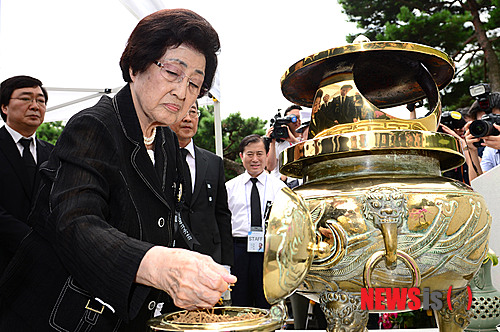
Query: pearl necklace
[{"x": 150, "y": 140}]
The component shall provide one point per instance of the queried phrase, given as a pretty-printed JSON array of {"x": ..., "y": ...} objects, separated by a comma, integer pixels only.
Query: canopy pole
[{"x": 218, "y": 129}]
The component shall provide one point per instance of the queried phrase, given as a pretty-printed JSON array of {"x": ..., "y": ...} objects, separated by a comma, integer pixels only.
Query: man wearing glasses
[
  {"x": 23, "y": 102},
  {"x": 205, "y": 209}
]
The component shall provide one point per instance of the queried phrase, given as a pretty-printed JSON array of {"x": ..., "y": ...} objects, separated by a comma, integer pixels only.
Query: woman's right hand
[{"x": 193, "y": 280}]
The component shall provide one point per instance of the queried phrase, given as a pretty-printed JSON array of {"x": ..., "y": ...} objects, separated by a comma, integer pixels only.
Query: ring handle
[{"x": 379, "y": 255}]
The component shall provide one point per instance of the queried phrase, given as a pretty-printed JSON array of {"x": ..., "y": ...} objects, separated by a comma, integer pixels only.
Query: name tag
[{"x": 255, "y": 240}]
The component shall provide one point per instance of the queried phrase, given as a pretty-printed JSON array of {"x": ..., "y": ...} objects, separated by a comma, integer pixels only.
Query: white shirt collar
[
  {"x": 16, "y": 136},
  {"x": 261, "y": 177},
  {"x": 190, "y": 148}
]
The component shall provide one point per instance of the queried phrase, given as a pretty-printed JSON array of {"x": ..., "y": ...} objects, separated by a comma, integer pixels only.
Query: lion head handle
[{"x": 386, "y": 208}]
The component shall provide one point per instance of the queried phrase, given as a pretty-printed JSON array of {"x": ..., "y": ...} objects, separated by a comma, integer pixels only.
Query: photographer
[
  {"x": 280, "y": 143},
  {"x": 486, "y": 129},
  {"x": 453, "y": 123}
]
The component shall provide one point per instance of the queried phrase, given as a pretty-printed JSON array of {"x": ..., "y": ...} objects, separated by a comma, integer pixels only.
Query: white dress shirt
[
  {"x": 238, "y": 193},
  {"x": 490, "y": 159},
  {"x": 17, "y": 137}
]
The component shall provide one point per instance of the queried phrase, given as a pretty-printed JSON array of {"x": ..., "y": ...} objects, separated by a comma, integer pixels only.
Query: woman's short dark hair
[
  {"x": 8, "y": 86},
  {"x": 155, "y": 33},
  {"x": 254, "y": 138}
]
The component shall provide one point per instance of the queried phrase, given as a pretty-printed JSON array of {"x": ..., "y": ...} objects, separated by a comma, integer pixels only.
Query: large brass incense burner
[{"x": 374, "y": 210}]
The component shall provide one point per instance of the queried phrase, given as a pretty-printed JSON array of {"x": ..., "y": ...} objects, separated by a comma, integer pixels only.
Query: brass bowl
[{"x": 271, "y": 320}]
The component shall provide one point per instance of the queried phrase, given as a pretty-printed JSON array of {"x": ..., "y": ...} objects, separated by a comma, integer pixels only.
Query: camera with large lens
[
  {"x": 484, "y": 126},
  {"x": 481, "y": 92},
  {"x": 280, "y": 131},
  {"x": 452, "y": 119}
]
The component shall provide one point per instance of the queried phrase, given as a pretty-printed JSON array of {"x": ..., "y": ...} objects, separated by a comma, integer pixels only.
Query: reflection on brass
[
  {"x": 388, "y": 71},
  {"x": 339, "y": 107},
  {"x": 288, "y": 251},
  {"x": 329, "y": 236},
  {"x": 263, "y": 320},
  {"x": 301, "y": 158}
]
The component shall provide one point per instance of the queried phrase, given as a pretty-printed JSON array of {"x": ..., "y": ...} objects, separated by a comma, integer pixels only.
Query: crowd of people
[
  {"x": 125, "y": 218},
  {"x": 481, "y": 153}
]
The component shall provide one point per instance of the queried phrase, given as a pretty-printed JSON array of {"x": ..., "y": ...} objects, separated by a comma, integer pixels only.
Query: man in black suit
[
  {"x": 342, "y": 106},
  {"x": 205, "y": 211},
  {"x": 339, "y": 110},
  {"x": 23, "y": 102}
]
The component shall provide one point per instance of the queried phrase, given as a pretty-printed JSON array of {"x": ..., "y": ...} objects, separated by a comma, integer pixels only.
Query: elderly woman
[{"x": 101, "y": 255}]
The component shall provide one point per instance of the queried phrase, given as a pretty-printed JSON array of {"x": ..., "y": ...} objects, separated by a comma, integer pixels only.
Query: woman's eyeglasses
[{"x": 173, "y": 73}]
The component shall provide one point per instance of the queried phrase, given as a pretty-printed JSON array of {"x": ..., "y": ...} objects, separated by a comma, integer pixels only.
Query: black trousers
[{"x": 248, "y": 268}]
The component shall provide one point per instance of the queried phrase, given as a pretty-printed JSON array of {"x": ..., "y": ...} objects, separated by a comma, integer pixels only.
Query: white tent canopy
[
  {"x": 77, "y": 45},
  {"x": 74, "y": 94}
]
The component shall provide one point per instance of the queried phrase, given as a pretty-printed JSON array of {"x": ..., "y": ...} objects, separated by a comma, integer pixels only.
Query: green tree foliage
[
  {"x": 234, "y": 129},
  {"x": 467, "y": 30},
  {"x": 50, "y": 131},
  {"x": 205, "y": 136}
]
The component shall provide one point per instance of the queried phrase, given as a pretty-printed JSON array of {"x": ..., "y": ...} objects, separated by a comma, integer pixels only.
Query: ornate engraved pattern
[
  {"x": 369, "y": 125},
  {"x": 289, "y": 248},
  {"x": 459, "y": 315},
  {"x": 343, "y": 311},
  {"x": 439, "y": 247}
]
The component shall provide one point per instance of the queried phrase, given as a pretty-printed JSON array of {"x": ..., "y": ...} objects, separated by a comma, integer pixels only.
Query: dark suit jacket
[
  {"x": 15, "y": 194},
  {"x": 333, "y": 113},
  {"x": 101, "y": 207},
  {"x": 208, "y": 215},
  {"x": 342, "y": 112}
]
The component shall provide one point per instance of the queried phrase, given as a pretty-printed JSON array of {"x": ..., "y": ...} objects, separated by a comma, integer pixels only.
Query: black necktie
[
  {"x": 187, "y": 177},
  {"x": 28, "y": 159},
  {"x": 255, "y": 204}
]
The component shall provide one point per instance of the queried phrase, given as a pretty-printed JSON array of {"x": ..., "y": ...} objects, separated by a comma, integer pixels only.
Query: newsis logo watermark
[{"x": 399, "y": 299}]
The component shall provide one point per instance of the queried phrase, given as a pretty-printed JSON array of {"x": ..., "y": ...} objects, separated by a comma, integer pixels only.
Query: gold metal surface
[
  {"x": 410, "y": 263},
  {"x": 385, "y": 72},
  {"x": 290, "y": 245},
  {"x": 373, "y": 196},
  {"x": 272, "y": 320},
  {"x": 297, "y": 160},
  {"x": 445, "y": 231},
  {"x": 340, "y": 107}
]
